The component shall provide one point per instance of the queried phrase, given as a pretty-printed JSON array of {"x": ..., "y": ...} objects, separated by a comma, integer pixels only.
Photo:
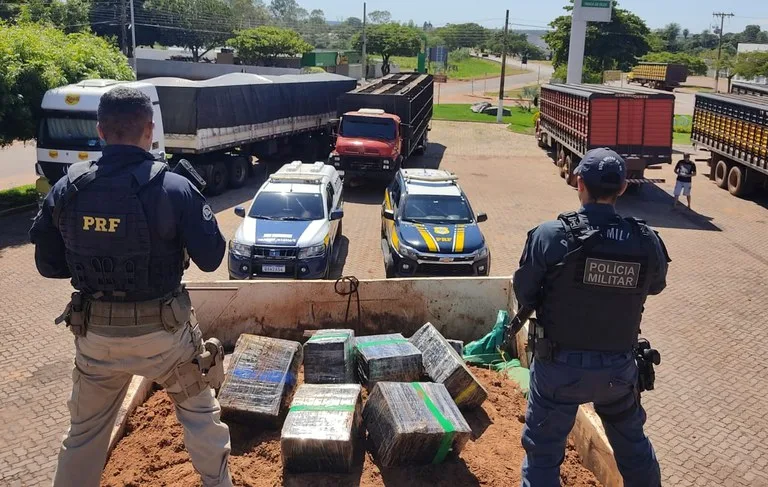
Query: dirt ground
[{"x": 153, "y": 453}]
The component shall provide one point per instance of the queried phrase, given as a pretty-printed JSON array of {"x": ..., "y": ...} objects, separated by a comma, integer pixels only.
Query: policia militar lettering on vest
[
  {"x": 107, "y": 236},
  {"x": 594, "y": 298}
]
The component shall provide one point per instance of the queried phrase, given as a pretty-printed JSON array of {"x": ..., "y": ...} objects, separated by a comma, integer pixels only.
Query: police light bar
[
  {"x": 308, "y": 178},
  {"x": 432, "y": 178}
]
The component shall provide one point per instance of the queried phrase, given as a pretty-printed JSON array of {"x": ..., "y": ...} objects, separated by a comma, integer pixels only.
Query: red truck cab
[{"x": 369, "y": 143}]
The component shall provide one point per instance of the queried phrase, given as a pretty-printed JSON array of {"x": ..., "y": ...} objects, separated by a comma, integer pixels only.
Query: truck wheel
[
  {"x": 540, "y": 136},
  {"x": 217, "y": 179},
  {"x": 422, "y": 149},
  {"x": 568, "y": 168},
  {"x": 238, "y": 172},
  {"x": 737, "y": 182},
  {"x": 721, "y": 174}
]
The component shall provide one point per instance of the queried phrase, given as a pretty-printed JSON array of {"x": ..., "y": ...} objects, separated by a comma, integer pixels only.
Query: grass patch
[
  {"x": 514, "y": 94},
  {"x": 520, "y": 121},
  {"x": 681, "y": 138},
  {"x": 16, "y": 197},
  {"x": 468, "y": 69}
]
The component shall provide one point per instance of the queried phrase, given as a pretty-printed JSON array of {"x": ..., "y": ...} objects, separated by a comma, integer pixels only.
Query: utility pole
[
  {"x": 133, "y": 43},
  {"x": 365, "y": 41},
  {"x": 720, "y": 47},
  {"x": 500, "y": 112}
]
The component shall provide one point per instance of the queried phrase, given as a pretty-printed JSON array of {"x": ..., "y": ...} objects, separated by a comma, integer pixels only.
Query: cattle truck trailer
[
  {"x": 635, "y": 122},
  {"x": 734, "y": 128}
]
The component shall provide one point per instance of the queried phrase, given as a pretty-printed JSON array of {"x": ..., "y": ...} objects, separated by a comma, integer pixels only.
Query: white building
[{"x": 745, "y": 47}]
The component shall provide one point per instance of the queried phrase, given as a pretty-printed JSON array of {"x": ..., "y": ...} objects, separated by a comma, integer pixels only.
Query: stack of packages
[
  {"x": 329, "y": 357},
  {"x": 260, "y": 380},
  {"x": 322, "y": 428},
  {"x": 444, "y": 366},
  {"x": 413, "y": 423},
  {"x": 389, "y": 358}
]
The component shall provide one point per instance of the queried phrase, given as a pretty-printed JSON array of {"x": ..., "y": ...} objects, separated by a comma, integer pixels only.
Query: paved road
[
  {"x": 706, "y": 418},
  {"x": 17, "y": 165}
]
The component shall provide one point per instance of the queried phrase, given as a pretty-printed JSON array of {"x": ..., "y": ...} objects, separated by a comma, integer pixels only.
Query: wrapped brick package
[
  {"x": 389, "y": 358},
  {"x": 457, "y": 345},
  {"x": 444, "y": 366},
  {"x": 260, "y": 380},
  {"x": 414, "y": 423},
  {"x": 329, "y": 357},
  {"x": 322, "y": 429}
]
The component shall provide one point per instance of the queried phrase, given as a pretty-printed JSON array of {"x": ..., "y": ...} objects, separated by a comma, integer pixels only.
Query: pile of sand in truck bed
[{"x": 152, "y": 453}]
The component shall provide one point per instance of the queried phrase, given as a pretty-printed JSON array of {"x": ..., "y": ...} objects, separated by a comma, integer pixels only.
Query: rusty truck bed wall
[{"x": 461, "y": 308}]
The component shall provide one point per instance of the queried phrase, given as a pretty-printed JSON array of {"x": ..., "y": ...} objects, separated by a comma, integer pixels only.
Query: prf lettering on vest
[
  {"x": 609, "y": 273},
  {"x": 99, "y": 224}
]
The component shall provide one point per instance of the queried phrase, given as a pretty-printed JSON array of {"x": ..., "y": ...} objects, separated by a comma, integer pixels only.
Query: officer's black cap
[{"x": 602, "y": 168}]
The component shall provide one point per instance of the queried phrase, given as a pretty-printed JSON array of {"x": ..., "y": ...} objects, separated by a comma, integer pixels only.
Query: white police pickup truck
[{"x": 292, "y": 226}]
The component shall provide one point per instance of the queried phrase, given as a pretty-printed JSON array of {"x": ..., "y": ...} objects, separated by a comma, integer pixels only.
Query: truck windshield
[
  {"x": 436, "y": 209},
  {"x": 69, "y": 131},
  {"x": 288, "y": 207},
  {"x": 367, "y": 128}
]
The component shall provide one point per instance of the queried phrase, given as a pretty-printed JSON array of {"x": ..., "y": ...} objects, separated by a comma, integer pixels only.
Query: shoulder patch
[{"x": 207, "y": 212}]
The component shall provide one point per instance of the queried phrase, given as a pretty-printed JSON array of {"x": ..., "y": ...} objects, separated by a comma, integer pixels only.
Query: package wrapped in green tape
[
  {"x": 322, "y": 430},
  {"x": 414, "y": 423},
  {"x": 260, "y": 380},
  {"x": 444, "y": 366},
  {"x": 387, "y": 358},
  {"x": 329, "y": 357}
]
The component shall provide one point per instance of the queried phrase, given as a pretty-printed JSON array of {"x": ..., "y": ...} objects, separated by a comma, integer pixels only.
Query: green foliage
[
  {"x": 520, "y": 120},
  {"x": 588, "y": 76},
  {"x": 751, "y": 65},
  {"x": 247, "y": 14},
  {"x": 389, "y": 40},
  {"x": 199, "y": 25},
  {"x": 35, "y": 59},
  {"x": 517, "y": 45},
  {"x": 70, "y": 16},
  {"x": 614, "y": 45},
  {"x": 683, "y": 124},
  {"x": 17, "y": 197},
  {"x": 265, "y": 44},
  {"x": 459, "y": 55},
  {"x": 380, "y": 17},
  {"x": 463, "y": 35},
  {"x": 696, "y": 65}
]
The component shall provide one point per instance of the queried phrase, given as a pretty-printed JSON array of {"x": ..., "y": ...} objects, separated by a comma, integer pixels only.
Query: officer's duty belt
[{"x": 125, "y": 319}]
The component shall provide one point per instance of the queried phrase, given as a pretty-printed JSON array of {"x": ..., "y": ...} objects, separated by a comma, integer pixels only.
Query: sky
[{"x": 695, "y": 15}]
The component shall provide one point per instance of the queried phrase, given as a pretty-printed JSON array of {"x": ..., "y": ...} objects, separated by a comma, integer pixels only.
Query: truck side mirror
[
  {"x": 482, "y": 217},
  {"x": 388, "y": 214},
  {"x": 337, "y": 215},
  {"x": 240, "y": 211}
]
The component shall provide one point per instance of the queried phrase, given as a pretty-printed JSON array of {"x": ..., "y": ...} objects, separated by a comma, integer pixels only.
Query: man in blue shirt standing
[
  {"x": 121, "y": 229},
  {"x": 587, "y": 275}
]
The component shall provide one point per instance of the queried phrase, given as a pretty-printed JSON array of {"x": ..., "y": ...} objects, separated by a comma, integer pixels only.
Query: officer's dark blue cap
[{"x": 602, "y": 168}]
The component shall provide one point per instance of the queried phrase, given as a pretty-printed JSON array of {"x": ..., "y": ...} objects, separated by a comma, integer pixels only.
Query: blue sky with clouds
[{"x": 695, "y": 15}]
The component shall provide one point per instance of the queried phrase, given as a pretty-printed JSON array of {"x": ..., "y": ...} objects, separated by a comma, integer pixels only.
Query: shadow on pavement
[
  {"x": 654, "y": 205},
  {"x": 431, "y": 159},
  {"x": 15, "y": 229},
  {"x": 365, "y": 192},
  {"x": 340, "y": 258}
]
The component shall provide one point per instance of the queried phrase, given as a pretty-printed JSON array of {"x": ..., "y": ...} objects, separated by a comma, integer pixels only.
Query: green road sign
[{"x": 596, "y": 3}]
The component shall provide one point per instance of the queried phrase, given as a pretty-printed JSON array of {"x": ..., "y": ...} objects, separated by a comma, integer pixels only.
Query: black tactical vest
[
  {"x": 109, "y": 248},
  {"x": 594, "y": 299}
]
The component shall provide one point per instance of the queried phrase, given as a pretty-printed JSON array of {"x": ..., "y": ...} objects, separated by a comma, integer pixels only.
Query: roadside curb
[{"x": 18, "y": 209}]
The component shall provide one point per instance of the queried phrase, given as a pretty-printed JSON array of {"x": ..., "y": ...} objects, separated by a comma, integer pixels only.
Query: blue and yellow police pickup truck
[
  {"x": 429, "y": 229},
  {"x": 291, "y": 227}
]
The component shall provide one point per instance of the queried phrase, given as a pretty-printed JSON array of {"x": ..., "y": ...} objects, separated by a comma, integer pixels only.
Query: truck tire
[
  {"x": 540, "y": 136},
  {"x": 721, "y": 171},
  {"x": 238, "y": 172},
  {"x": 218, "y": 178},
  {"x": 568, "y": 168},
  {"x": 422, "y": 148},
  {"x": 738, "y": 185}
]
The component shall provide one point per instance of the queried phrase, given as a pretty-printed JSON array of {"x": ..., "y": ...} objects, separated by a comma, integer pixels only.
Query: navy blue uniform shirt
[
  {"x": 175, "y": 210},
  {"x": 547, "y": 246}
]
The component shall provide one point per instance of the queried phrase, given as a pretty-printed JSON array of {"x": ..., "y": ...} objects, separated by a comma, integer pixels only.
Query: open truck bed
[{"x": 635, "y": 122}]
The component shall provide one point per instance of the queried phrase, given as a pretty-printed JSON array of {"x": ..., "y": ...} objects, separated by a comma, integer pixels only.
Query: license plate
[{"x": 273, "y": 269}]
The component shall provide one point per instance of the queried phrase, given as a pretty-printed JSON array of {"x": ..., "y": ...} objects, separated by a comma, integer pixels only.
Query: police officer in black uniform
[
  {"x": 118, "y": 228},
  {"x": 587, "y": 275}
]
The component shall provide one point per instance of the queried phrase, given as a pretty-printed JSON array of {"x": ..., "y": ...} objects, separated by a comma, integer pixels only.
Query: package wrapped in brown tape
[
  {"x": 414, "y": 423},
  {"x": 444, "y": 366},
  {"x": 387, "y": 358},
  {"x": 260, "y": 380},
  {"x": 322, "y": 430},
  {"x": 329, "y": 357}
]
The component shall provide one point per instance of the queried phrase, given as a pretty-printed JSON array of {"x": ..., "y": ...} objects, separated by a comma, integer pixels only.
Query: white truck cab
[
  {"x": 67, "y": 131},
  {"x": 292, "y": 226}
]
